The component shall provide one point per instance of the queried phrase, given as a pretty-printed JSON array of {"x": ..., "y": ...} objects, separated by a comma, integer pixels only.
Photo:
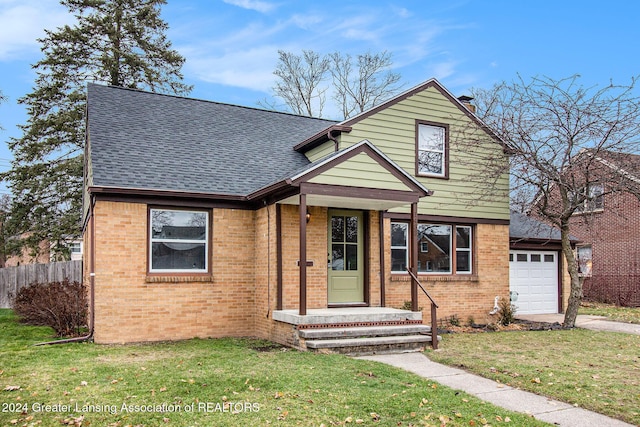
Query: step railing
[{"x": 434, "y": 315}]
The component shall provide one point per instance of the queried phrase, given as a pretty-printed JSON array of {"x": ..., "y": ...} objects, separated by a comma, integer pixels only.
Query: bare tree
[
  {"x": 302, "y": 81},
  {"x": 369, "y": 85},
  {"x": 299, "y": 81},
  {"x": 564, "y": 139}
]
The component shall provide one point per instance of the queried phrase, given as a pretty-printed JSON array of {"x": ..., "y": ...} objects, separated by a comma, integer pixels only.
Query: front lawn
[
  {"x": 225, "y": 382},
  {"x": 599, "y": 371},
  {"x": 613, "y": 312}
]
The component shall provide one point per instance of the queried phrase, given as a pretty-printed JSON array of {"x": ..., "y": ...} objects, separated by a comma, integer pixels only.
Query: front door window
[{"x": 344, "y": 243}]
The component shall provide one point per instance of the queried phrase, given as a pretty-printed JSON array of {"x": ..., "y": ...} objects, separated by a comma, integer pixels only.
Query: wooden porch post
[
  {"x": 303, "y": 255},
  {"x": 413, "y": 255}
]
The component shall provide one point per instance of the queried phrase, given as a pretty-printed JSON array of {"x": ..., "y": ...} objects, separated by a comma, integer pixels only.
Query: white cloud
[
  {"x": 402, "y": 12},
  {"x": 444, "y": 69},
  {"x": 306, "y": 22},
  {"x": 22, "y": 22},
  {"x": 257, "y": 5},
  {"x": 249, "y": 68}
]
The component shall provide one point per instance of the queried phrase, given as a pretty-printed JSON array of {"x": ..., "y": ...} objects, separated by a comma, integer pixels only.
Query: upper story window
[
  {"x": 594, "y": 199},
  {"x": 432, "y": 144},
  {"x": 178, "y": 241}
]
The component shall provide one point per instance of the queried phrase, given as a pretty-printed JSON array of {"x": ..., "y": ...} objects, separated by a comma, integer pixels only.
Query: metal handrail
[
  {"x": 434, "y": 316},
  {"x": 421, "y": 287}
]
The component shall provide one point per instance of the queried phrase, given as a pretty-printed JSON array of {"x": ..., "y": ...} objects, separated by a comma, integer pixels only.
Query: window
[
  {"x": 594, "y": 199},
  {"x": 435, "y": 248},
  {"x": 438, "y": 260},
  {"x": 584, "y": 257},
  {"x": 179, "y": 241},
  {"x": 75, "y": 247},
  {"x": 399, "y": 247},
  {"x": 463, "y": 249},
  {"x": 431, "y": 150}
]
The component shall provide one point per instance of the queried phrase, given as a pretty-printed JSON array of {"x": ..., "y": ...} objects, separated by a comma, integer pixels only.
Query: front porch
[
  {"x": 348, "y": 316},
  {"x": 357, "y": 330}
]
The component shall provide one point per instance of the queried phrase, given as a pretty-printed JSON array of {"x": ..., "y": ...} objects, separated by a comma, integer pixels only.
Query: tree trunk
[{"x": 575, "y": 295}]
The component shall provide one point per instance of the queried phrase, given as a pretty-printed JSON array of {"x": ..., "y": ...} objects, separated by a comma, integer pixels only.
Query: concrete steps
[{"x": 380, "y": 339}]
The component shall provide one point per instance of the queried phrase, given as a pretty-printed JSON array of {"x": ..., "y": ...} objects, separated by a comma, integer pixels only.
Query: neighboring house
[
  {"x": 27, "y": 256},
  {"x": 539, "y": 280},
  {"x": 45, "y": 255},
  {"x": 198, "y": 214},
  {"x": 608, "y": 227}
]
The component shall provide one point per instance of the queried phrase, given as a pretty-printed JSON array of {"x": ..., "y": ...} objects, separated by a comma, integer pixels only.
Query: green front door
[{"x": 346, "y": 260}]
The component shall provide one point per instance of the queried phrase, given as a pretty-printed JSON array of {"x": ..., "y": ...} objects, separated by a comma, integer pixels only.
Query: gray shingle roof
[
  {"x": 522, "y": 226},
  {"x": 150, "y": 141}
]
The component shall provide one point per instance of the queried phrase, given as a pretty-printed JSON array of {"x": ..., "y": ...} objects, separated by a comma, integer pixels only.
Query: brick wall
[
  {"x": 130, "y": 309},
  {"x": 464, "y": 296},
  {"x": 614, "y": 235},
  {"x": 239, "y": 298}
]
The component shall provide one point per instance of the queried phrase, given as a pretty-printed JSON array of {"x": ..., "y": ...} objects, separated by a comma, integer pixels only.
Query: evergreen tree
[{"x": 118, "y": 42}]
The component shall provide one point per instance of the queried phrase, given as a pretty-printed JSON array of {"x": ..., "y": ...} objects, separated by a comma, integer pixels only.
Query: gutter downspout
[
  {"x": 92, "y": 274},
  {"x": 334, "y": 139}
]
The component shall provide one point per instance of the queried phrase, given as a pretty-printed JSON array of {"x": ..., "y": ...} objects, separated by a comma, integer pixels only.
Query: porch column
[
  {"x": 303, "y": 255},
  {"x": 413, "y": 255}
]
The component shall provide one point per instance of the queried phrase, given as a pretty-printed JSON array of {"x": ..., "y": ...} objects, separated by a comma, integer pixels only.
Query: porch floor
[{"x": 347, "y": 315}]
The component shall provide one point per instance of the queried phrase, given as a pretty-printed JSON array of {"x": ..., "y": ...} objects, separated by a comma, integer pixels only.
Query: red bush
[{"x": 60, "y": 305}]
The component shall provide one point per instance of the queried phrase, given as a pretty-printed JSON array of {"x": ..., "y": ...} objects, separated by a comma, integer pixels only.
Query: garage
[{"x": 533, "y": 281}]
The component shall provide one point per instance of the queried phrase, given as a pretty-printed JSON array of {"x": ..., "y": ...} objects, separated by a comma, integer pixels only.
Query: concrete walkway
[
  {"x": 542, "y": 408},
  {"x": 596, "y": 323}
]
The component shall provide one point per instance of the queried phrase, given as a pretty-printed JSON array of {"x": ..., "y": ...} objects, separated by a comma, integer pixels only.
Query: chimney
[{"x": 466, "y": 101}]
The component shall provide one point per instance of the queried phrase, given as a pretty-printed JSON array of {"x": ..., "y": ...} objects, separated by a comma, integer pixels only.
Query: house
[
  {"x": 204, "y": 219},
  {"x": 45, "y": 255},
  {"x": 608, "y": 226},
  {"x": 538, "y": 279}
]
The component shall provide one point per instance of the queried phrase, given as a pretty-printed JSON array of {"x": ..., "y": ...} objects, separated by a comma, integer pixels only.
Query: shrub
[
  {"x": 60, "y": 305},
  {"x": 407, "y": 306},
  {"x": 506, "y": 312},
  {"x": 454, "y": 320}
]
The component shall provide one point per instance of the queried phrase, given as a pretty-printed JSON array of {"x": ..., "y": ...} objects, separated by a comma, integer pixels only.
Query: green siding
[
  {"x": 321, "y": 151},
  {"x": 360, "y": 171},
  {"x": 467, "y": 192}
]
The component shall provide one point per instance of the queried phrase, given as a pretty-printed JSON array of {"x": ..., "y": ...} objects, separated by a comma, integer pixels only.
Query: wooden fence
[{"x": 14, "y": 278}]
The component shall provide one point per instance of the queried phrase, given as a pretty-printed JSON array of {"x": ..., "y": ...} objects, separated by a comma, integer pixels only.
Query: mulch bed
[{"x": 518, "y": 325}]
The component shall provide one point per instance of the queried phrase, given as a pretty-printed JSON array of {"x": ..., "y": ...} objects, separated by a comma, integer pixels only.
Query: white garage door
[{"x": 534, "y": 276}]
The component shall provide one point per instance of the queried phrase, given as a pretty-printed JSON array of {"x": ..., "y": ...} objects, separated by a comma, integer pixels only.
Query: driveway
[{"x": 595, "y": 323}]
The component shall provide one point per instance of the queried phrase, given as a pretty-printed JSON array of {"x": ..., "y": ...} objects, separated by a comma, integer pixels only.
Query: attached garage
[
  {"x": 535, "y": 266},
  {"x": 533, "y": 281}
]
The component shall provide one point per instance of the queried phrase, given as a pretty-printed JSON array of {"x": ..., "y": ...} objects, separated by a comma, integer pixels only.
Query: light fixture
[{"x": 308, "y": 216}]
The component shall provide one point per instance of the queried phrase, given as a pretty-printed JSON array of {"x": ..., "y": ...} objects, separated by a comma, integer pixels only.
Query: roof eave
[
  {"x": 110, "y": 190},
  {"x": 321, "y": 137}
]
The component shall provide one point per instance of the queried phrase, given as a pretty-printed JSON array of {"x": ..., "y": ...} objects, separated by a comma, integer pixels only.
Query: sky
[{"x": 231, "y": 46}]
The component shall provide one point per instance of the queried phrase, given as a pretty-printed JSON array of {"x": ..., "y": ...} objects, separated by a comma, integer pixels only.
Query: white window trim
[
  {"x": 469, "y": 249},
  {"x": 443, "y": 152},
  {"x": 206, "y": 243},
  {"x": 405, "y": 247}
]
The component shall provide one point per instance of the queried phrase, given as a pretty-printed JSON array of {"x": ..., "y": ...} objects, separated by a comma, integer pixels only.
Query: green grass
[
  {"x": 594, "y": 370},
  {"x": 613, "y": 312},
  {"x": 201, "y": 377}
]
